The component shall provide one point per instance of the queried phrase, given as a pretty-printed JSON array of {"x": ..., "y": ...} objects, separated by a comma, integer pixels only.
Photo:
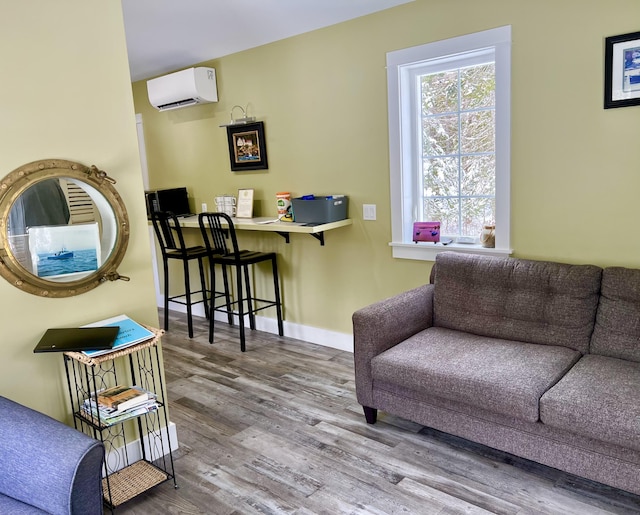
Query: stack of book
[{"x": 119, "y": 403}]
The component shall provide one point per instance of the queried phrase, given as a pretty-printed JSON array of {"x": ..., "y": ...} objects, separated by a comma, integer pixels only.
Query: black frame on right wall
[{"x": 622, "y": 70}]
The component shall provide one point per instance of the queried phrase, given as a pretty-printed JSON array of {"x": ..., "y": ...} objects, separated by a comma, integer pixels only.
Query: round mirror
[{"x": 63, "y": 228}]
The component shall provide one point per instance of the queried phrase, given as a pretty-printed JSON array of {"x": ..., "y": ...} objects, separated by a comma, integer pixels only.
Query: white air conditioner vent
[{"x": 183, "y": 89}]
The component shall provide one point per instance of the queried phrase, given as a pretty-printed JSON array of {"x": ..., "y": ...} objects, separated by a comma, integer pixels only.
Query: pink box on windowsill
[{"x": 426, "y": 231}]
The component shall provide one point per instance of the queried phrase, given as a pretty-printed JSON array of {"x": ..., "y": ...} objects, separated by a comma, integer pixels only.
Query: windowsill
[{"x": 429, "y": 251}]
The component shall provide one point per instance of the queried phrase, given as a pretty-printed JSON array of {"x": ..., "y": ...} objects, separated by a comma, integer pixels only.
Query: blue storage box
[{"x": 318, "y": 209}]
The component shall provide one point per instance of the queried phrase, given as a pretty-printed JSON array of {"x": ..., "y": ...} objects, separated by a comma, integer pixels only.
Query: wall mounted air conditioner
[{"x": 183, "y": 88}]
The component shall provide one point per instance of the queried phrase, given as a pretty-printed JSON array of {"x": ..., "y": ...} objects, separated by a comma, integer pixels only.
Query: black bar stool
[
  {"x": 215, "y": 228},
  {"x": 171, "y": 240}
]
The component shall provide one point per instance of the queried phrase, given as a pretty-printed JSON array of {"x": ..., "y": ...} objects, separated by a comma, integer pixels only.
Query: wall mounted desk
[{"x": 268, "y": 224}]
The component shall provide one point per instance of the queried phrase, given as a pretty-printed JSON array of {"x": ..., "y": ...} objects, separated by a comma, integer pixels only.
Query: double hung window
[{"x": 449, "y": 126}]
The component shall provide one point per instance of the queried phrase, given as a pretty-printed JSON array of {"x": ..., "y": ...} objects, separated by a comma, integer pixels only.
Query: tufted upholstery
[
  {"x": 537, "y": 359},
  {"x": 515, "y": 299},
  {"x": 617, "y": 329}
]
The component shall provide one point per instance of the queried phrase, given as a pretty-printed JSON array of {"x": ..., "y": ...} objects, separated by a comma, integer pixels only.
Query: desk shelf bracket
[
  {"x": 317, "y": 235},
  {"x": 285, "y": 235}
]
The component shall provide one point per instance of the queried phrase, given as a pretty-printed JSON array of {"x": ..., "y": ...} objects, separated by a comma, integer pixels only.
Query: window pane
[
  {"x": 439, "y": 92},
  {"x": 478, "y": 87},
  {"x": 445, "y": 211},
  {"x": 440, "y": 135},
  {"x": 441, "y": 177},
  {"x": 477, "y": 131},
  {"x": 475, "y": 213},
  {"x": 478, "y": 175}
]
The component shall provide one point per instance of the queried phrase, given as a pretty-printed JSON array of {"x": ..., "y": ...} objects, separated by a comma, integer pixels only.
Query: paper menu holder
[{"x": 244, "y": 206}]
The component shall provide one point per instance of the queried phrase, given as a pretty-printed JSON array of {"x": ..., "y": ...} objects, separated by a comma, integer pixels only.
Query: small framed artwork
[
  {"x": 247, "y": 147},
  {"x": 244, "y": 207},
  {"x": 622, "y": 70}
]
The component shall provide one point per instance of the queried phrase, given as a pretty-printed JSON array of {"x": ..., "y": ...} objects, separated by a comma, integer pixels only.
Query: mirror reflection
[
  {"x": 63, "y": 228},
  {"x": 55, "y": 229}
]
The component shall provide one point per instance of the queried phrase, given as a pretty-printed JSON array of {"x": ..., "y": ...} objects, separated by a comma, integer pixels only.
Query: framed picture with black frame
[
  {"x": 247, "y": 147},
  {"x": 622, "y": 70}
]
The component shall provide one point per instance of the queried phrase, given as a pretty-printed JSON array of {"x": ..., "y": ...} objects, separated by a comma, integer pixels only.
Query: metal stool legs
[
  {"x": 187, "y": 293},
  {"x": 214, "y": 295},
  {"x": 276, "y": 288},
  {"x": 216, "y": 229},
  {"x": 172, "y": 245},
  {"x": 250, "y": 307}
]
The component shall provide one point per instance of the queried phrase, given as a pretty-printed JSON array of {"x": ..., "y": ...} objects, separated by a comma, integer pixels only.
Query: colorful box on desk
[{"x": 317, "y": 209}]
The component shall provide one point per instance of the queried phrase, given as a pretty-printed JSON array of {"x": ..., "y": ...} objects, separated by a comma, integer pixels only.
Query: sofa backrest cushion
[
  {"x": 516, "y": 299},
  {"x": 617, "y": 330}
]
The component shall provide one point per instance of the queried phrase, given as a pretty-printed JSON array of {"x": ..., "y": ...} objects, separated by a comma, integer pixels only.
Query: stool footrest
[
  {"x": 267, "y": 304},
  {"x": 177, "y": 298}
]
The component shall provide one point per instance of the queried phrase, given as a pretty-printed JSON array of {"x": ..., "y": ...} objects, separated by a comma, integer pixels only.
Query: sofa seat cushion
[
  {"x": 599, "y": 398},
  {"x": 502, "y": 376}
]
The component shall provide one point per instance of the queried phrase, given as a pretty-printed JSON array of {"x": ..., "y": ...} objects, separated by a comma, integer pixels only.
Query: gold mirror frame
[{"x": 16, "y": 183}]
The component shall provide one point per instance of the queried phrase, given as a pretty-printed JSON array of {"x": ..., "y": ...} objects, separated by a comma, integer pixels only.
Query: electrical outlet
[
  {"x": 204, "y": 207},
  {"x": 368, "y": 211}
]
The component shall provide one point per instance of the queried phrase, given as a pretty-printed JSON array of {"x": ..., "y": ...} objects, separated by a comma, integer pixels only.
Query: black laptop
[{"x": 76, "y": 339}]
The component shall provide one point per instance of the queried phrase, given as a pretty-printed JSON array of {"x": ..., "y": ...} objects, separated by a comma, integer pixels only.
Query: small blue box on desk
[{"x": 319, "y": 209}]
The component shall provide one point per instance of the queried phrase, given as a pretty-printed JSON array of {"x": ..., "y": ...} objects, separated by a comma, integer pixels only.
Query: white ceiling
[{"x": 167, "y": 35}]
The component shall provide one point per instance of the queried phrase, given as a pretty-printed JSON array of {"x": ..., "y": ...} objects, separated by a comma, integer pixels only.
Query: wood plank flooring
[{"x": 277, "y": 430}]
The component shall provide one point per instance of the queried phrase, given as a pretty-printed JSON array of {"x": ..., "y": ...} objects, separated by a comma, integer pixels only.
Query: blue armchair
[{"x": 46, "y": 466}]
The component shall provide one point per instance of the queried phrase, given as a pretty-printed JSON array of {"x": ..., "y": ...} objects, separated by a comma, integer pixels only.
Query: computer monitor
[{"x": 175, "y": 200}]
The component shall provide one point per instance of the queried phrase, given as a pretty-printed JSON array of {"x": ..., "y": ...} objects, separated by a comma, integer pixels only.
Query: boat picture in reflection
[
  {"x": 67, "y": 262},
  {"x": 64, "y": 252},
  {"x": 61, "y": 254}
]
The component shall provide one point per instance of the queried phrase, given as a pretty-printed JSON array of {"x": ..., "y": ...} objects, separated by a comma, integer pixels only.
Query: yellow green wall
[
  {"x": 322, "y": 96},
  {"x": 66, "y": 93}
]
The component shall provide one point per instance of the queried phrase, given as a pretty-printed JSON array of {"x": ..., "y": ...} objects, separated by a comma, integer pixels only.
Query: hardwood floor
[{"x": 277, "y": 429}]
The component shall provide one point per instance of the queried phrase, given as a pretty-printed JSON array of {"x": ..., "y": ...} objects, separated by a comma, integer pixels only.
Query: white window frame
[{"x": 402, "y": 137}]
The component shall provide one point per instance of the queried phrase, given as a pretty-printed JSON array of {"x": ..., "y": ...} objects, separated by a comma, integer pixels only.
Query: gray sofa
[
  {"x": 538, "y": 359},
  {"x": 46, "y": 466}
]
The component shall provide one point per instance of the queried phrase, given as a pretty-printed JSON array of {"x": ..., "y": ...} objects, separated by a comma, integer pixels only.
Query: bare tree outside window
[
  {"x": 458, "y": 148},
  {"x": 450, "y": 143}
]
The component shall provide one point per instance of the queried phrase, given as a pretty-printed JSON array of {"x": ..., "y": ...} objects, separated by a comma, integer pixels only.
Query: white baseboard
[
  {"x": 324, "y": 337},
  {"x": 133, "y": 450}
]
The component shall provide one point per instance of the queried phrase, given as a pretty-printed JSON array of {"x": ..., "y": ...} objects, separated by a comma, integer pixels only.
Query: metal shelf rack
[{"x": 129, "y": 469}]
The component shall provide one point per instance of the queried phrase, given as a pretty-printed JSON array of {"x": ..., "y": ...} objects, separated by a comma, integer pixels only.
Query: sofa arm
[
  {"x": 382, "y": 325},
  {"x": 49, "y": 465}
]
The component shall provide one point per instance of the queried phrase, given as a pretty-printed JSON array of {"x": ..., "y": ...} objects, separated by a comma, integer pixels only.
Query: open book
[{"x": 130, "y": 333}]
